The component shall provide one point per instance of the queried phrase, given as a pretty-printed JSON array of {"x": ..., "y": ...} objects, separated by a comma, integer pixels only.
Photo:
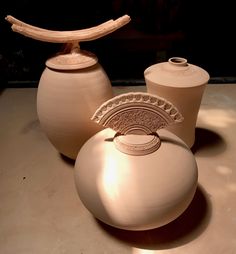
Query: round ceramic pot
[
  {"x": 66, "y": 100},
  {"x": 183, "y": 84},
  {"x": 131, "y": 177}
]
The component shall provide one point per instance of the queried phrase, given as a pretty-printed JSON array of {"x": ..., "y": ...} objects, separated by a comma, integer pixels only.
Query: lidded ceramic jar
[
  {"x": 129, "y": 175},
  {"x": 183, "y": 84},
  {"x": 68, "y": 94},
  {"x": 72, "y": 85}
]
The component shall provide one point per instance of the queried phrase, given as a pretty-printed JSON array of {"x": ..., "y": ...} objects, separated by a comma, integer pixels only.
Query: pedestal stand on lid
[{"x": 183, "y": 84}]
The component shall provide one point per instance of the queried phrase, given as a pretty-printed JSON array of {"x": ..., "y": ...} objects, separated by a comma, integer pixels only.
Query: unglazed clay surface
[
  {"x": 65, "y": 103},
  {"x": 135, "y": 192},
  {"x": 126, "y": 179},
  {"x": 183, "y": 84}
]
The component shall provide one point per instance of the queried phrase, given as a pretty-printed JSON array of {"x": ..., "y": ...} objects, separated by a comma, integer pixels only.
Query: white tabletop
[{"x": 40, "y": 211}]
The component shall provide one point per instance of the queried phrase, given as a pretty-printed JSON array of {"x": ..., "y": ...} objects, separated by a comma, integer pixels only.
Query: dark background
[{"x": 201, "y": 31}]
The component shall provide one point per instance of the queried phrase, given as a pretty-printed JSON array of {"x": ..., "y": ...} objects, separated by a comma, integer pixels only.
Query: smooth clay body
[
  {"x": 183, "y": 84},
  {"x": 132, "y": 181},
  {"x": 66, "y": 100}
]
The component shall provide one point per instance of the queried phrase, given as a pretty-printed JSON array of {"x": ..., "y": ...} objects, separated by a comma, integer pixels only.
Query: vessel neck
[{"x": 178, "y": 61}]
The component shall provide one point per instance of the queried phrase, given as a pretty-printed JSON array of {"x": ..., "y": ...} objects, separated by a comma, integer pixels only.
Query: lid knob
[{"x": 133, "y": 114}]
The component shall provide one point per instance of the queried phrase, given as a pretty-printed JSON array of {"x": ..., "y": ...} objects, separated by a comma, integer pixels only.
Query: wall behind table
[{"x": 199, "y": 31}]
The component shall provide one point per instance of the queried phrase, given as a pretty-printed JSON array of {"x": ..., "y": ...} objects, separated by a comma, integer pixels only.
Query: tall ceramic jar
[
  {"x": 72, "y": 85},
  {"x": 183, "y": 84}
]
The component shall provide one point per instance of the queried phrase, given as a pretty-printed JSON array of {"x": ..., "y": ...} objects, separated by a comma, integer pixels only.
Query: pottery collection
[{"x": 134, "y": 169}]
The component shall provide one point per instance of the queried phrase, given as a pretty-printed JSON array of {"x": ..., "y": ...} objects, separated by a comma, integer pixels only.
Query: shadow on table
[
  {"x": 184, "y": 229},
  {"x": 67, "y": 160},
  {"x": 1, "y": 90},
  {"x": 208, "y": 143}
]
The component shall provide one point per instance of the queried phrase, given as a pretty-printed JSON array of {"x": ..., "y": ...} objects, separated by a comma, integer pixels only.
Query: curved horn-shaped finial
[{"x": 67, "y": 36}]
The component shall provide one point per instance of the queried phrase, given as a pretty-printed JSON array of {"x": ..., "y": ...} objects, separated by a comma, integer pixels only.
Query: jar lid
[
  {"x": 72, "y": 61},
  {"x": 177, "y": 72}
]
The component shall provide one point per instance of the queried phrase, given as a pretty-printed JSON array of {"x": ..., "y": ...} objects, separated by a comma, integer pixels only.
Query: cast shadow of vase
[
  {"x": 67, "y": 160},
  {"x": 208, "y": 143},
  {"x": 184, "y": 229}
]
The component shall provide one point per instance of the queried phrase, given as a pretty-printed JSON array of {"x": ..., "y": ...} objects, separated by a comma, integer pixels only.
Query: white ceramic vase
[
  {"x": 129, "y": 176},
  {"x": 183, "y": 84}
]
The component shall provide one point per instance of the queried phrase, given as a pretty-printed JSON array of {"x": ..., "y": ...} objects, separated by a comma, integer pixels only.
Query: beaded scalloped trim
[{"x": 137, "y": 113}]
